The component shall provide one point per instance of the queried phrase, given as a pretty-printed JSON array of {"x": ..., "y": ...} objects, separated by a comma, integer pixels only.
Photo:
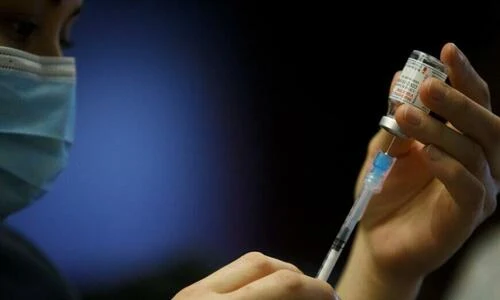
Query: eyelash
[{"x": 24, "y": 29}]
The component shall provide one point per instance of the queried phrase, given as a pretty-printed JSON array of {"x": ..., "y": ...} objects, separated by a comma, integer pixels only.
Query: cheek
[{"x": 5, "y": 41}]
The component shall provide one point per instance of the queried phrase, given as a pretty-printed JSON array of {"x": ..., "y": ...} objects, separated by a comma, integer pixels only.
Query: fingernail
[
  {"x": 412, "y": 115},
  {"x": 447, "y": 69},
  {"x": 336, "y": 297},
  {"x": 433, "y": 152},
  {"x": 437, "y": 89}
]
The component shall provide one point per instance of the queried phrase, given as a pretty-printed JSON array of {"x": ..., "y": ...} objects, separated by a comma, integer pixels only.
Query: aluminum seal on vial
[{"x": 418, "y": 67}]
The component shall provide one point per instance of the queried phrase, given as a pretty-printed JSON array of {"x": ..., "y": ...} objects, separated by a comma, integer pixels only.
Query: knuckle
[
  {"x": 291, "y": 282},
  {"x": 485, "y": 91},
  {"x": 254, "y": 256},
  {"x": 480, "y": 164},
  {"x": 258, "y": 261}
]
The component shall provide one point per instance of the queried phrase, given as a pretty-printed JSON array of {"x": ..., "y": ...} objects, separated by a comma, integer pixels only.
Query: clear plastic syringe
[{"x": 373, "y": 182}]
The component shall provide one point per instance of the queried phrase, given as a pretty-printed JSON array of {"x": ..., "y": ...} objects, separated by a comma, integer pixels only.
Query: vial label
[{"x": 407, "y": 87}]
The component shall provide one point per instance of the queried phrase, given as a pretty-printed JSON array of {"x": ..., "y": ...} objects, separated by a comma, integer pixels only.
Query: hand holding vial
[{"x": 443, "y": 185}]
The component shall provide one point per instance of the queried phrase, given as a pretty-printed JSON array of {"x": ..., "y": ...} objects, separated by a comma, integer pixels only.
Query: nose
[{"x": 44, "y": 46}]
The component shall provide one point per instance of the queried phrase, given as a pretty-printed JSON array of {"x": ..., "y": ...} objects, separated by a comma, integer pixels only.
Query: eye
[
  {"x": 24, "y": 29},
  {"x": 18, "y": 30}
]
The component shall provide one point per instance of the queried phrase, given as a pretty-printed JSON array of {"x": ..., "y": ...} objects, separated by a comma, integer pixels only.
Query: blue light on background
[{"x": 162, "y": 164}]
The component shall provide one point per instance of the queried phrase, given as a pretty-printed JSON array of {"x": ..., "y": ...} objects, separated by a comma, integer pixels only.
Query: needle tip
[{"x": 390, "y": 145}]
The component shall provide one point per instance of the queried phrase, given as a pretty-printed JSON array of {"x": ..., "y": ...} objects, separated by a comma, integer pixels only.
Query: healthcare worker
[{"x": 433, "y": 200}]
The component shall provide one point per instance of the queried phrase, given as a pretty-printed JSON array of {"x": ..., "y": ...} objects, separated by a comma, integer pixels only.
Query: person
[{"x": 442, "y": 187}]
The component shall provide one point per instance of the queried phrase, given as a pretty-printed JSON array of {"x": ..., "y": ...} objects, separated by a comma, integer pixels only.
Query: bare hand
[
  {"x": 256, "y": 276},
  {"x": 443, "y": 184}
]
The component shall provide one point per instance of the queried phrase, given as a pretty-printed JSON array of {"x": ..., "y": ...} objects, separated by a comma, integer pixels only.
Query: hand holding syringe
[{"x": 372, "y": 184}]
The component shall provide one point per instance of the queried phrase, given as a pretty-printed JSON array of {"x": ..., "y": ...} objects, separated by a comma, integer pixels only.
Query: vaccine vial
[{"x": 418, "y": 67}]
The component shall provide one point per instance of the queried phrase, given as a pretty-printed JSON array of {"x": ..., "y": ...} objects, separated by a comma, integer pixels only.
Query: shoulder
[{"x": 26, "y": 273}]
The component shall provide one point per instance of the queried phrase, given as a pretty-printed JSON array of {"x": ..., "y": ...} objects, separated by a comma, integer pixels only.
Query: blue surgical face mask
[{"x": 37, "y": 118}]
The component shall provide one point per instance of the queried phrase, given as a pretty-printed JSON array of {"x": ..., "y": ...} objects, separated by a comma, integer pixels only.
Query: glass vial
[{"x": 418, "y": 67}]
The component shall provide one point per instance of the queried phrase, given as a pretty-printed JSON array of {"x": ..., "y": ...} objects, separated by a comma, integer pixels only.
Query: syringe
[{"x": 372, "y": 184}]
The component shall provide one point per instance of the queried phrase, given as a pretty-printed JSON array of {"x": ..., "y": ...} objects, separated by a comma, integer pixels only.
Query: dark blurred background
[{"x": 207, "y": 129}]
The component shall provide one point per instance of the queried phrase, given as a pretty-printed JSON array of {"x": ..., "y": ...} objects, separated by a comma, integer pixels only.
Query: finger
[
  {"x": 470, "y": 118},
  {"x": 285, "y": 284},
  {"x": 463, "y": 76},
  {"x": 244, "y": 270},
  {"x": 467, "y": 191},
  {"x": 415, "y": 123}
]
